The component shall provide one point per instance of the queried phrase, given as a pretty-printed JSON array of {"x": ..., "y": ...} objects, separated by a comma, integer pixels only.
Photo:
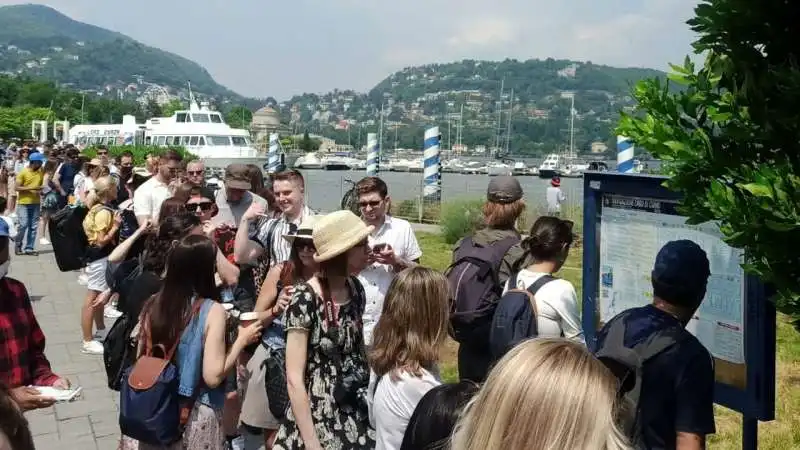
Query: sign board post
[{"x": 627, "y": 218}]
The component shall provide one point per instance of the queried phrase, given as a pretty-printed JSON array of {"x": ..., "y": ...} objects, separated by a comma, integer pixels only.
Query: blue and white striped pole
[
  {"x": 624, "y": 155},
  {"x": 273, "y": 158},
  {"x": 432, "y": 189},
  {"x": 372, "y": 155}
]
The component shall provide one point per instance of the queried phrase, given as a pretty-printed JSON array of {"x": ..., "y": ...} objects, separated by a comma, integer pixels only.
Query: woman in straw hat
[
  {"x": 274, "y": 297},
  {"x": 326, "y": 367}
]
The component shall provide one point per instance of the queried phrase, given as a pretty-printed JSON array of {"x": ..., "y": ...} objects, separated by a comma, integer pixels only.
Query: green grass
[{"x": 780, "y": 434}]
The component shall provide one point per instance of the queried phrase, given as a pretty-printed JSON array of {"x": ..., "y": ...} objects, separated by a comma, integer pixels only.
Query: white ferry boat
[{"x": 200, "y": 130}]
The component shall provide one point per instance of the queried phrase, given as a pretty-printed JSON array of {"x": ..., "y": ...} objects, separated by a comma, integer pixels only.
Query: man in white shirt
[
  {"x": 394, "y": 247},
  {"x": 555, "y": 197},
  {"x": 150, "y": 195}
]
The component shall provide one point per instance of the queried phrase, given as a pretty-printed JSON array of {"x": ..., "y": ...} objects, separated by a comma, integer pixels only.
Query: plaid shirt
[{"x": 22, "y": 359}]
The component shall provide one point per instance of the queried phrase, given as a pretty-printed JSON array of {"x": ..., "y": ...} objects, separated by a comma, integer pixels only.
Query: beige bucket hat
[
  {"x": 337, "y": 233},
  {"x": 303, "y": 231}
]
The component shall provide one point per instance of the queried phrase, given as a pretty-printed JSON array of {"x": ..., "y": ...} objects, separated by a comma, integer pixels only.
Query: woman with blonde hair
[
  {"x": 544, "y": 394},
  {"x": 405, "y": 349},
  {"x": 101, "y": 225}
]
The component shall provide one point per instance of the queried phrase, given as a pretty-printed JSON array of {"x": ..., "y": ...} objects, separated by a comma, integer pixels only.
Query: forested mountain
[
  {"x": 37, "y": 40},
  {"x": 467, "y": 95}
]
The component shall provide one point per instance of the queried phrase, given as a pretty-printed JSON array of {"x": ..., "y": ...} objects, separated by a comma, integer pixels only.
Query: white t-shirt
[
  {"x": 377, "y": 277},
  {"x": 148, "y": 198},
  {"x": 555, "y": 196},
  {"x": 556, "y": 306},
  {"x": 393, "y": 403}
]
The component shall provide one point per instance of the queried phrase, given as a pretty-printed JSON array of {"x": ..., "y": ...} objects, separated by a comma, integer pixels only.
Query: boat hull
[
  {"x": 336, "y": 166},
  {"x": 549, "y": 173}
]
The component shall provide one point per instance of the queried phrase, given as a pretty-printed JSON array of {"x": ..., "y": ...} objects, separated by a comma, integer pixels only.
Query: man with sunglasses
[{"x": 394, "y": 247}]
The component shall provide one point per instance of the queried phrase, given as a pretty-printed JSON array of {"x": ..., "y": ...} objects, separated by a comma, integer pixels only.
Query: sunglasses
[
  {"x": 194, "y": 172},
  {"x": 373, "y": 204},
  {"x": 203, "y": 206},
  {"x": 102, "y": 153},
  {"x": 303, "y": 244}
]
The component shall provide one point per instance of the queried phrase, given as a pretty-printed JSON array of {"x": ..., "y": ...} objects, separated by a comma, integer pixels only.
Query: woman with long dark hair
[
  {"x": 436, "y": 415},
  {"x": 276, "y": 291},
  {"x": 326, "y": 366},
  {"x": 185, "y": 313},
  {"x": 546, "y": 249}
]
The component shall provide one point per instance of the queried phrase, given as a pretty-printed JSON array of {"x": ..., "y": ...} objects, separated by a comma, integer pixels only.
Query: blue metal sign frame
[{"x": 757, "y": 401}]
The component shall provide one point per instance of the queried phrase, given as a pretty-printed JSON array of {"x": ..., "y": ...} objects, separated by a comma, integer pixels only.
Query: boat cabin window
[
  {"x": 161, "y": 140},
  {"x": 181, "y": 117},
  {"x": 202, "y": 141},
  {"x": 148, "y": 140},
  {"x": 185, "y": 140},
  {"x": 193, "y": 140},
  {"x": 201, "y": 118},
  {"x": 216, "y": 118},
  {"x": 239, "y": 141},
  {"x": 218, "y": 140}
]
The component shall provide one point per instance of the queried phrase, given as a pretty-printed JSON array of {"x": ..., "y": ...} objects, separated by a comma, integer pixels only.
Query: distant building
[
  {"x": 599, "y": 147},
  {"x": 266, "y": 121}
]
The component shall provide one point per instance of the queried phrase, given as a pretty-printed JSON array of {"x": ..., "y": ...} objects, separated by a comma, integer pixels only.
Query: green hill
[
  {"x": 37, "y": 40},
  {"x": 467, "y": 94}
]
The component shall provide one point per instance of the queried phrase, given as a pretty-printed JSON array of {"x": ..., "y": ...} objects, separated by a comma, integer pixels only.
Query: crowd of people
[{"x": 283, "y": 328}]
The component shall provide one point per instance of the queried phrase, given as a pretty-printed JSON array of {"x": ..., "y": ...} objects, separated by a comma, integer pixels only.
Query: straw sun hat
[
  {"x": 303, "y": 231},
  {"x": 337, "y": 233}
]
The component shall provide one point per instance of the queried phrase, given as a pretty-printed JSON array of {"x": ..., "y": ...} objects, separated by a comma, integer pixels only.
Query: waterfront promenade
[{"x": 89, "y": 422}]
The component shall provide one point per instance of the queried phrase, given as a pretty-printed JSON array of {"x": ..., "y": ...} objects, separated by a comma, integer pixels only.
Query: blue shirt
[{"x": 66, "y": 176}]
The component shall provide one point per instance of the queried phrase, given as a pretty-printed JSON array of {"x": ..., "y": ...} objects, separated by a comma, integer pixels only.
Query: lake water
[{"x": 324, "y": 189}]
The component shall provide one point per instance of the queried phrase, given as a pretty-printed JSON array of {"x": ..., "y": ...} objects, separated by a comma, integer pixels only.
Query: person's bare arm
[
  {"x": 245, "y": 250},
  {"x": 57, "y": 180},
  {"x": 216, "y": 362},
  {"x": 105, "y": 238},
  {"x": 690, "y": 441},
  {"x": 296, "y": 354},
  {"x": 270, "y": 304},
  {"x": 228, "y": 272},
  {"x": 120, "y": 252}
]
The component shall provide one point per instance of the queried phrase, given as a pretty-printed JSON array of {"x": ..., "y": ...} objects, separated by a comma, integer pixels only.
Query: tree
[
  {"x": 239, "y": 117},
  {"x": 730, "y": 137},
  {"x": 308, "y": 144},
  {"x": 170, "y": 107}
]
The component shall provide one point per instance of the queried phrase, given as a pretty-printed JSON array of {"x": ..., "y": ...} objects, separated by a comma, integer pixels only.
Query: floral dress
[{"x": 338, "y": 427}]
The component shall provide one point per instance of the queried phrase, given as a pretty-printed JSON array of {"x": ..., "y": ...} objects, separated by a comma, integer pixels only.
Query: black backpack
[
  {"x": 515, "y": 317},
  {"x": 627, "y": 363},
  {"x": 68, "y": 238},
  {"x": 475, "y": 288},
  {"x": 119, "y": 350}
]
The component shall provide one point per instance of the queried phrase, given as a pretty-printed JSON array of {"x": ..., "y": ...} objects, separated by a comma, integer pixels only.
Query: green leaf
[
  {"x": 781, "y": 226},
  {"x": 759, "y": 190}
]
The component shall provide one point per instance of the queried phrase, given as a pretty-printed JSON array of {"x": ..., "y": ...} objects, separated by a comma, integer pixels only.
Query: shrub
[
  {"x": 140, "y": 152},
  {"x": 460, "y": 218}
]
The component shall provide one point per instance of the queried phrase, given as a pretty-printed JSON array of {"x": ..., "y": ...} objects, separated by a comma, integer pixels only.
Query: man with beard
[{"x": 150, "y": 195}]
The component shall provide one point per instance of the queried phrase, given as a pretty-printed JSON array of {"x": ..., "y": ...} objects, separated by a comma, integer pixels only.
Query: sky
[{"x": 281, "y": 48}]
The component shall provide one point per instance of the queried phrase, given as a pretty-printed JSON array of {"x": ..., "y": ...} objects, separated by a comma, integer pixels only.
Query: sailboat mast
[
  {"x": 572, "y": 127},
  {"x": 499, "y": 116},
  {"x": 508, "y": 125},
  {"x": 380, "y": 135}
]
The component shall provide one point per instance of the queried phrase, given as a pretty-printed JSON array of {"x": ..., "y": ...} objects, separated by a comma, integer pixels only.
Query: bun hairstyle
[{"x": 548, "y": 240}]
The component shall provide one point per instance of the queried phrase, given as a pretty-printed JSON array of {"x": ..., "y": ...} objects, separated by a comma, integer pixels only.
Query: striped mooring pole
[
  {"x": 625, "y": 150},
  {"x": 431, "y": 172},
  {"x": 372, "y": 155},
  {"x": 273, "y": 158}
]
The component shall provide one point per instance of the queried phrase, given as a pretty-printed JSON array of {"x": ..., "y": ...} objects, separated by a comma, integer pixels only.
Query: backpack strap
[{"x": 531, "y": 290}]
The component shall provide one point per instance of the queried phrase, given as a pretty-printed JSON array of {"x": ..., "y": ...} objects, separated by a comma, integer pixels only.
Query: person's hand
[
  {"x": 385, "y": 255},
  {"x": 101, "y": 300},
  {"x": 251, "y": 333},
  {"x": 146, "y": 224},
  {"x": 284, "y": 298},
  {"x": 62, "y": 383},
  {"x": 209, "y": 228},
  {"x": 29, "y": 398},
  {"x": 117, "y": 218},
  {"x": 255, "y": 210}
]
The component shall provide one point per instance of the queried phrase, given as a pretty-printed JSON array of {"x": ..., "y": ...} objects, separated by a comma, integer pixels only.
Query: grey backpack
[{"x": 627, "y": 363}]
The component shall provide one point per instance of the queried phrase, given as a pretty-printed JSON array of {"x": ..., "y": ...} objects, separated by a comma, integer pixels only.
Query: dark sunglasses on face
[
  {"x": 202, "y": 206},
  {"x": 102, "y": 153},
  {"x": 194, "y": 172},
  {"x": 305, "y": 245},
  {"x": 373, "y": 203}
]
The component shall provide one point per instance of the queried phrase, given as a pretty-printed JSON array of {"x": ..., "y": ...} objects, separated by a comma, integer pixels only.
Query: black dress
[{"x": 337, "y": 427}]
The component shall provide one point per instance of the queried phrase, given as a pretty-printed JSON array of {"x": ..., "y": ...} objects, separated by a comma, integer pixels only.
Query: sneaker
[
  {"x": 109, "y": 312},
  {"x": 100, "y": 335},
  {"x": 18, "y": 252},
  {"x": 44, "y": 241},
  {"x": 31, "y": 253},
  {"x": 83, "y": 279},
  {"x": 92, "y": 348}
]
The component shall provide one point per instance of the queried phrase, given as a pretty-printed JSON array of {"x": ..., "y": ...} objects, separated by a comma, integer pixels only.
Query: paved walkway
[{"x": 89, "y": 422}]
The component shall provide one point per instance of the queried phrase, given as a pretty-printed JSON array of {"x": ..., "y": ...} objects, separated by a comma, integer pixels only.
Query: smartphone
[{"x": 378, "y": 248}]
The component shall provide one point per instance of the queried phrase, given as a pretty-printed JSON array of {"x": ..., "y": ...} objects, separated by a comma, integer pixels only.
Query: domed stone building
[{"x": 265, "y": 121}]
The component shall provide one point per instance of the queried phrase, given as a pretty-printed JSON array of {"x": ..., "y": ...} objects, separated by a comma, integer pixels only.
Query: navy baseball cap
[{"x": 682, "y": 264}]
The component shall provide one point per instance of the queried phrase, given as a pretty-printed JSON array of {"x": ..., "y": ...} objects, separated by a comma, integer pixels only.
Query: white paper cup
[
  {"x": 247, "y": 318},
  {"x": 228, "y": 306}
]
